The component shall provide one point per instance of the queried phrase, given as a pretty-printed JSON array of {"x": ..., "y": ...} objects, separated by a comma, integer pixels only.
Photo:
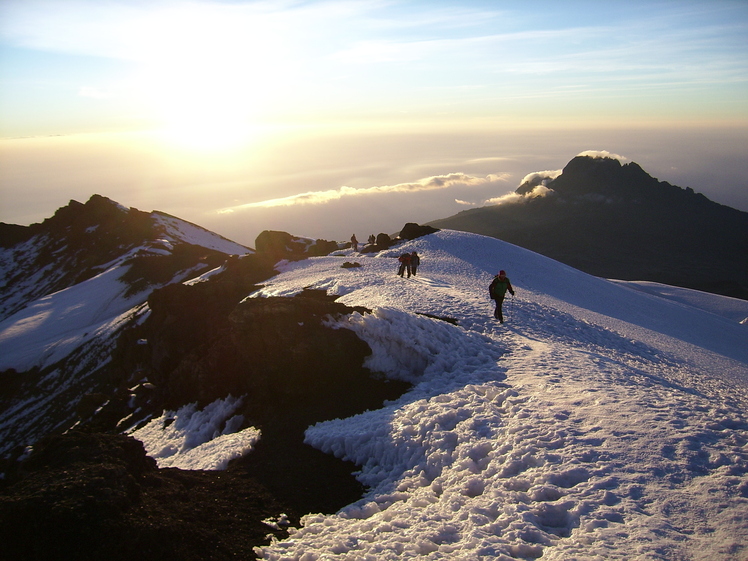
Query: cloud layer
[{"x": 428, "y": 184}]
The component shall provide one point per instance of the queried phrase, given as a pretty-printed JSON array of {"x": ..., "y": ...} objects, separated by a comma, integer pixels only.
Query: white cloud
[
  {"x": 513, "y": 198},
  {"x": 433, "y": 183},
  {"x": 541, "y": 177},
  {"x": 604, "y": 154}
]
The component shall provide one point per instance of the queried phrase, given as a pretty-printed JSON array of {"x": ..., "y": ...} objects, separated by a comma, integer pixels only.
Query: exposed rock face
[
  {"x": 412, "y": 231},
  {"x": 96, "y": 496},
  {"x": 71, "y": 246},
  {"x": 93, "y": 494},
  {"x": 111, "y": 258},
  {"x": 616, "y": 221},
  {"x": 276, "y": 351},
  {"x": 282, "y": 245},
  {"x": 83, "y": 240}
]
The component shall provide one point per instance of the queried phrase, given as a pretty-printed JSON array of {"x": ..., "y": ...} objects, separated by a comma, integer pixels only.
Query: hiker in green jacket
[{"x": 497, "y": 290}]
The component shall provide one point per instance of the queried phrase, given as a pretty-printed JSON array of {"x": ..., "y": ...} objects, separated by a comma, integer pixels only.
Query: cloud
[
  {"x": 433, "y": 183},
  {"x": 604, "y": 154},
  {"x": 541, "y": 177},
  {"x": 515, "y": 198}
]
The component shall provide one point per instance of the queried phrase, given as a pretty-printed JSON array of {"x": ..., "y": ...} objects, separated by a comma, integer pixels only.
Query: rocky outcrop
[
  {"x": 412, "y": 231},
  {"x": 82, "y": 241},
  {"x": 282, "y": 245},
  {"x": 96, "y": 495},
  {"x": 382, "y": 242},
  {"x": 279, "y": 352},
  {"x": 92, "y": 493}
]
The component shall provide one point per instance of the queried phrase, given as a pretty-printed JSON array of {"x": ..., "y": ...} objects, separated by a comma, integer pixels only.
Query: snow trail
[{"x": 590, "y": 426}]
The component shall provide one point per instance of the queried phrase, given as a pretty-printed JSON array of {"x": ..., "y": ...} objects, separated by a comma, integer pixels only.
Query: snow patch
[{"x": 195, "y": 439}]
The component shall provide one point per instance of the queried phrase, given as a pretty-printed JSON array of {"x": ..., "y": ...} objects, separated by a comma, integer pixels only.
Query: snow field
[{"x": 590, "y": 427}]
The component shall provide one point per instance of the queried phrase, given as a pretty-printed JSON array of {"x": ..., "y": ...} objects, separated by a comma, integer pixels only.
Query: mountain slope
[
  {"x": 602, "y": 420},
  {"x": 599, "y": 422},
  {"x": 83, "y": 240},
  {"x": 616, "y": 221},
  {"x": 70, "y": 286}
]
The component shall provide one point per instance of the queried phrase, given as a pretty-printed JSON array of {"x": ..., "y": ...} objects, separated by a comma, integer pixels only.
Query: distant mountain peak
[
  {"x": 608, "y": 217},
  {"x": 585, "y": 175}
]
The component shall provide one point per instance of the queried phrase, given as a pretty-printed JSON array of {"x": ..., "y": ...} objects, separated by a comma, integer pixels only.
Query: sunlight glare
[{"x": 211, "y": 77}]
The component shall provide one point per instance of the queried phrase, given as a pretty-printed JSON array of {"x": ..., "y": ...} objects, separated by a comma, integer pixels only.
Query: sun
[
  {"x": 207, "y": 127},
  {"x": 206, "y": 107},
  {"x": 209, "y": 81}
]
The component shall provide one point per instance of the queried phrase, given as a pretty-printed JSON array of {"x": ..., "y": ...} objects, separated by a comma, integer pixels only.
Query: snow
[
  {"x": 183, "y": 231},
  {"x": 198, "y": 439},
  {"x": 730, "y": 308},
  {"x": 603, "y": 420},
  {"x": 50, "y": 328}
]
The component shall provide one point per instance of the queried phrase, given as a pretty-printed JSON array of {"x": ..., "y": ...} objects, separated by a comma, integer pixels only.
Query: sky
[
  {"x": 323, "y": 117},
  {"x": 602, "y": 420}
]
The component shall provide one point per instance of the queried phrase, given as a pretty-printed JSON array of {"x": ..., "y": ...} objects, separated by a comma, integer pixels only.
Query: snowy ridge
[
  {"x": 730, "y": 308},
  {"x": 68, "y": 291},
  {"x": 50, "y": 326},
  {"x": 180, "y": 230},
  {"x": 599, "y": 422}
]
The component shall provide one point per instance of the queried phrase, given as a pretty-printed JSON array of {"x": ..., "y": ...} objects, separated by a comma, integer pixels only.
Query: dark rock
[
  {"x": 80, "y": 241},
  {"x": 282, "y": 245},
  {"x": 383, "y": 240},
  {"x": 412, "y": 231},
  {"x": 94, "y": 496},
  {"x": 11, "y": 234}
]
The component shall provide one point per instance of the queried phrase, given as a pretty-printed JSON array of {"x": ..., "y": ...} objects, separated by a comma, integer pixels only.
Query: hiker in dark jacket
[
  {"x": 404, "y": 264},
  {"x": 414, "y": 262},
  {"x": 497, "y": 290}
]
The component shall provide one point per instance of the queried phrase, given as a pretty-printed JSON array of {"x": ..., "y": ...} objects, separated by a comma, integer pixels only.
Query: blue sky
[
  {"x": 82, "y": 66},
  {"x": 210, "y": 77}
]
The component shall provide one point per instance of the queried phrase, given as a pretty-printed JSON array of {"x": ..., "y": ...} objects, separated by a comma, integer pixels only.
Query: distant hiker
[
  {"x": 354, "y": 242},
  {"x": 414, "y": 262},
  {"x": 404, "y": 264},
  {"x": 497, "y": 290}
]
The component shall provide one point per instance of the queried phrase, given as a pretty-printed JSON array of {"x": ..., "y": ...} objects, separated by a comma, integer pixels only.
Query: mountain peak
[
  {"x": 585, "y": 175},
  {"x": 610, "y": 218}
]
